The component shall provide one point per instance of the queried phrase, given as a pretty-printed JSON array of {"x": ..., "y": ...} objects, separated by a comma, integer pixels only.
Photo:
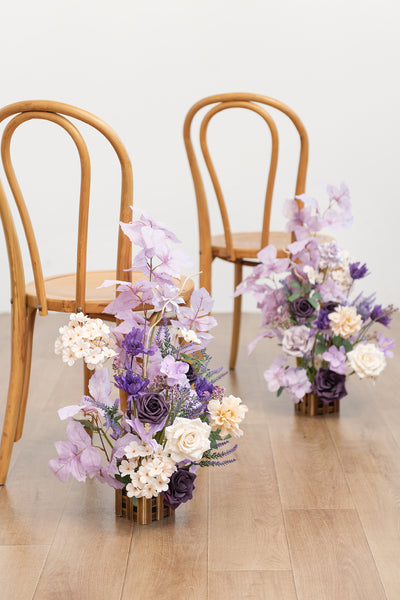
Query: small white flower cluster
[
  {"x": 149, "y": 469},
  {"x": 341, "y": 273},
  {"x": 85, "y": 338}
]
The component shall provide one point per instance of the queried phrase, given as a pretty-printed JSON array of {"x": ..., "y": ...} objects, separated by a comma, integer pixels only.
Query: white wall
[{"x": 141, "y": 65}]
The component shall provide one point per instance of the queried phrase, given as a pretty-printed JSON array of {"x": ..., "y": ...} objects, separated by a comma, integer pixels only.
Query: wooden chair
[
  {"x": 238, "y": 248},
  {"x": 64, "y": 293}
]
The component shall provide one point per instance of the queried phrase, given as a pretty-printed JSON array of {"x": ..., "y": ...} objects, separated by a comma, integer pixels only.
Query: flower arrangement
[
  {"x": 177, "y": 418},
  {"x": 306, "y": 303}
]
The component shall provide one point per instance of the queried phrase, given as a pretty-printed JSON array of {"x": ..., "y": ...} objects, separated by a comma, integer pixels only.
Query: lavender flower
[{"x": 364, "y": 305}]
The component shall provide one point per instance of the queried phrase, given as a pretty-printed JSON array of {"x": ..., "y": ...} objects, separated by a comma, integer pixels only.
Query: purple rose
[
  {"x": 152, "y": 408},
  {"x": 329, "y": 385},
  {"x": 191, "y": 374},
  {"x": 302, "y": 308},
  {"x": 180, "y": 489},
  {"x": 330, "y": 306}
]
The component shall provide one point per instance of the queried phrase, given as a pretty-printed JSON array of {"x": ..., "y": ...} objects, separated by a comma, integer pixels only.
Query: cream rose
[
  {"x": 367, "y": 360},
  {"x": 187, "y": 438},
  {"x": 345, "y": 321},
  {"x": 227, "y": 415}
]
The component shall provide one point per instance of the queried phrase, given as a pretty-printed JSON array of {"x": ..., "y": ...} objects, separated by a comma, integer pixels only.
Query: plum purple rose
[{"x": 180, "y": 489}]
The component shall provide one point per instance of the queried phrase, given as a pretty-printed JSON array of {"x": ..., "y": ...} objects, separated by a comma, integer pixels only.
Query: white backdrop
[{"x": 141, "y": 65}]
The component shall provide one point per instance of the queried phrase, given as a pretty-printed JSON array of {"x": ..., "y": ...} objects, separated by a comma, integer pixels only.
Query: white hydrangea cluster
[
  {"x": 149, "y": 469},
  {"x": 341, "y": 273},
  {"x": 83, "y": 337}
]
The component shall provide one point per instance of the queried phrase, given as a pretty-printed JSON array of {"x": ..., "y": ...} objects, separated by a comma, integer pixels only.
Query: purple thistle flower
[
  {"x": 204, "y": 388},
  {"x": 323, "y": 320},
  {"x": 133, "y": 344},
  {"x": 357, "y": 272},
  {"x": 131, "y": 383},
  {"x": 381, "y": 315}
]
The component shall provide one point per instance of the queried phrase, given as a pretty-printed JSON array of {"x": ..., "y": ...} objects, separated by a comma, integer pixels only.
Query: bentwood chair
[
  {"x": 73, "y": 292},
  {"x": 239, "y": 248}
]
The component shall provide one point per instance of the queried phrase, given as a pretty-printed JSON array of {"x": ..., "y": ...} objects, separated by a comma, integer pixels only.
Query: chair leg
[
  {"x": 206, "y": 272},
  {"x": 237, "y": 312},
  {"x": 18, "y": 349},
  {"x": 30, "y": 324}
]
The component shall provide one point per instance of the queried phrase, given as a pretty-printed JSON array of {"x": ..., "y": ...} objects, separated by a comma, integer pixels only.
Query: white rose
[
  {"x": 227, "y": 415},
  {"x": 187, "y": 439},
  {"x": 367, "y": 360},
  {"x": 345, "y": 321},
  {"x": 296, "y": 341}
]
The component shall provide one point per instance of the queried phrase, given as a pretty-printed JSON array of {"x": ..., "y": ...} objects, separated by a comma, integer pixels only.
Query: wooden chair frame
[
  {"x": 24, "y": 305},
  {"x": 208, "y": 248}
]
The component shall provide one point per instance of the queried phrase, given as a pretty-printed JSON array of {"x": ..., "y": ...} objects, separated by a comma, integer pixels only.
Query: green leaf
[
  {"x": 214, "y": 436},
  {"x": 87, "y": 424},
  {"x": 317, "y": 296},
  {"x": 279, "y": 392},
  {"x": 320, "y": 348},
  {"x": 313, "y": 302},
  {"x": 338, "y": 341},
  {"x": 295, "y": 284},
  {"x": 294, "y": 296}
]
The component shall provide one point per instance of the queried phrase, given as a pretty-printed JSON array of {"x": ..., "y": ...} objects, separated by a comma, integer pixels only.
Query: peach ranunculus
[
  {"x": 227, "y": 415},
  {"x": 367, "y": 360},
  {"x": 345, "y": 321},
  {"x": 187, "y": 439}
]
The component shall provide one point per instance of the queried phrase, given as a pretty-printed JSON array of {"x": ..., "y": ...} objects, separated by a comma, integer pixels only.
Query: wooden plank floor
[{"x": 310, "y": 511}]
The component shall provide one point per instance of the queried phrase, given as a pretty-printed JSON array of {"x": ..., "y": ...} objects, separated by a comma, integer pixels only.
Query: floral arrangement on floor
[
  {"x": 306, "y": 302},
  {"x": 177, "y": 418}
]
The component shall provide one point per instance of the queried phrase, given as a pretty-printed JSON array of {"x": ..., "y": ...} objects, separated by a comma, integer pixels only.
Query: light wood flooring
[{"x": 310, "y": 511}]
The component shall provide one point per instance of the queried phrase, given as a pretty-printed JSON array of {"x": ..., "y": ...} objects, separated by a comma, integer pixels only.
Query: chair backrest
[
  {"x": 251, "y": 102},
  {"x": 56, "y": 112}
]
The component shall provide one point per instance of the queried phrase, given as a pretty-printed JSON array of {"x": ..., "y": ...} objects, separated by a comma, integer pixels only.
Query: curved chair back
[
  {"x": 56, "y": 112},
  {"x": 251, "y": 102}
]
